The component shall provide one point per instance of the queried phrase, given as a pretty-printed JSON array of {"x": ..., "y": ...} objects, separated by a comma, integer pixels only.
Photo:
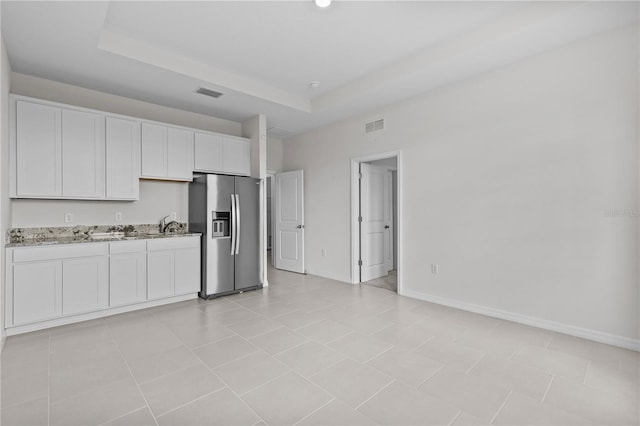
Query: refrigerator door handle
[
  {"x": 233, "y": 224},
  {"x": 238, "y": 225}
]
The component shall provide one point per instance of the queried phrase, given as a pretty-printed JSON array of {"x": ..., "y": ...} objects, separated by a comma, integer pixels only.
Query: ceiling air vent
[
  {"x": 374, "y": 126},
  {"x": 208, "y": 92}
]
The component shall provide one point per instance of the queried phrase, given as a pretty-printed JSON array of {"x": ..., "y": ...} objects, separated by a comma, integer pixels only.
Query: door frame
[
  {"x": 272, "y": 175},
  {"x": 355, "y": 209}
]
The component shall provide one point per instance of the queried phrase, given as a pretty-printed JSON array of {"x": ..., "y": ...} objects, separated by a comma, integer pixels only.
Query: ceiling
[{"x": 262, "y": 55}]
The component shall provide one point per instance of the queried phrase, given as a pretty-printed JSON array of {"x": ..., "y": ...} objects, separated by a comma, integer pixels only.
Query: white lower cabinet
[
  {"x": 160, "y": 269},
  {"x": 173, "y": 267},
  {"x": 127, "y": 278},
  {"x": 85, "y": 286},
  {"x": 37, "y": 292},
  {"x": 49, "y": 284}
]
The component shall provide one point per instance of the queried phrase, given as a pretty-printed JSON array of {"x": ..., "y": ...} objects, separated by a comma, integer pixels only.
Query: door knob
[
  {"x": 386, "y": 227},
  {"x": 300, "y": 226}
]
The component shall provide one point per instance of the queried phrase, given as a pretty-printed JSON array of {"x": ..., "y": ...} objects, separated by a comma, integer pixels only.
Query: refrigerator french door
[{"x": 226, "y": 210}]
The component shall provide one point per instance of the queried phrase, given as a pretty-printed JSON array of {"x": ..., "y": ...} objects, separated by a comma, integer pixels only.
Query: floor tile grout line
[
  {"x": 191, "y": 401},
  {"x": 495, "y": 416},
  {"x": 273, "y": 379},
  {"x": 376, "y": 393},
  {"x": 232, "y": 391},
  {"x": 214, "y": 341},
  {"x": 165, "y": 375},
  {"x": 442, "y": 367},
  {"x": 375, "y": 356},
  {"x": 124, "y": 415},
  {"x": 475, "y": 363},
  {"x": 546, "y": 392},
  {"x": 586, "y": 373},
  {"x": 341, "y": 337},
  {"x": 137, "y": 386},
  {"x": 316, "y": 410},
  {"x": 455, "y": 418},
  {"x": 291, "y": 348}
]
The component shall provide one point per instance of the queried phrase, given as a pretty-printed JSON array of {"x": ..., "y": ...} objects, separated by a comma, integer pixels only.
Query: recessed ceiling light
[
  {"x": 323, "y": 3},
  {"x": 314, "y": 84}
]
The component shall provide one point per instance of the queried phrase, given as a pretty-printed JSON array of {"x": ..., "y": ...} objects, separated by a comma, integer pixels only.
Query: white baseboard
[
  {"x": 328, "y": 276},
  {"x": 585, "y": 333}
]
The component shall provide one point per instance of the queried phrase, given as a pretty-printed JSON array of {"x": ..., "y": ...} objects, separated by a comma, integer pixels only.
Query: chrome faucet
[{"x": 164, "y": 224}]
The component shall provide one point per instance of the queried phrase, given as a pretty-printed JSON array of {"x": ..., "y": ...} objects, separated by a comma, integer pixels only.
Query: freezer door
[
  {"x": 247, "y": 262},
  {"x": 218, "y": 263},
  {"x": 219, "y": 274}
]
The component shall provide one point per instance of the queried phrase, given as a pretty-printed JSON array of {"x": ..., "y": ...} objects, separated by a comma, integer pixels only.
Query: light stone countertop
[{"x": 30, "y": 237}]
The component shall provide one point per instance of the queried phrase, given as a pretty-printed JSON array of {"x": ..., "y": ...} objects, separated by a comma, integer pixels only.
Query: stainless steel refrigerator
[{"x": 226, "y": 210}]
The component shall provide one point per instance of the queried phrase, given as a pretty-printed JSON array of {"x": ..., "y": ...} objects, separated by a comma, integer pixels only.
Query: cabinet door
[
  {"x": 160, "y": 274},
  {"x": 84, "y": 285},
  {"x": 123, "y": 159},
  {"x": 38, "y": 150},
  {"x": 208, "y": 152},
  {"x": 127, "y": 278},
  {"x": 236, "y": 156},
  {"x": 37, "y": 291},
  {"x": 154, "y": 150},
  {"x": 180, "y": 154},
  {"x": 187, "y": 271},
  {"x": 82, "y": 154}
]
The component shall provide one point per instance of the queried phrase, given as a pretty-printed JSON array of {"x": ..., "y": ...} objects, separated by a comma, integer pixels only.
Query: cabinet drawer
[
  {"x": 173, "y": 243},
  {"x": 59, "y": 252},
  {"x": 128, "y": 247}
]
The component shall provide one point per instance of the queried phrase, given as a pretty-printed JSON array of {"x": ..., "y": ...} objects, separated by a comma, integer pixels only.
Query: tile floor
[
  {"x": 311, "y": 351},
  {"x": 389, "y": 281}
]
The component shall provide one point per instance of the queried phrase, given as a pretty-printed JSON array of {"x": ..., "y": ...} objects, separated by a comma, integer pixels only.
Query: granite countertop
[{"x": 29, "y": 237}]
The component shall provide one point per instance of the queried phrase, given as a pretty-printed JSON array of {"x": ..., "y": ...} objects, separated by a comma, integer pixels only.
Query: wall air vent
[
  {"x": 374, "y": 126},
  {"x": 208, "y": 92}
]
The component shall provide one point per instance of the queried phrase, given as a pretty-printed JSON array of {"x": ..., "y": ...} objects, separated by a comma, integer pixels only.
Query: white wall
[
  {"x": 274, "y": 155},
  {"x": 157, "y": 198},
  {"x": 507, "y": 177},
  {"x": 27, "y": 85},
  {"x": 5, "y": 210}
]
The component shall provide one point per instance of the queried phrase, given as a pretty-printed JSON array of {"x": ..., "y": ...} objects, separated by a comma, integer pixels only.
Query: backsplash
[{"x": 21, "y": 235}]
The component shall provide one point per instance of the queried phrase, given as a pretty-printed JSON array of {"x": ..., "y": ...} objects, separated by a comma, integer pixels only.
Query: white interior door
[
  {"x": 289, "y": 221},
  {"x": 374, "y": 218}
]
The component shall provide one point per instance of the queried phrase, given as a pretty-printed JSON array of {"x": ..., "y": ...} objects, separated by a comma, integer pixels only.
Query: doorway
[
  {"x": 376, "y": 212},
  {"x": 269, "y": 185}
]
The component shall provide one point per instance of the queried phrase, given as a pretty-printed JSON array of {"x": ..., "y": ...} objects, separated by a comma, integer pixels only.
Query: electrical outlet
[
  {"x": 435, "y": 268},
  {"x": 174, "y": 216},
  {"x": 118, "y": 216},
  {"x": 68, "y": 218},
  {"x": 323, "y": 252}
]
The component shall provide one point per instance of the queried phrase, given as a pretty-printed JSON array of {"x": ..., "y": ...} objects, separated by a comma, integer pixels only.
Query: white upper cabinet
[
  {"x": 222, "y": 154},
  {"x": 83, "y": 154},
  {"x": 180, "y": 153},
  {"x": 123, "y": 159},
  {"x": 167, "y": 152},
  {"x": 154, "y": 150},
  {"x": 36, "y": 151},
  {"x": 208, "y": 152},
  {"x": 67, "y": 152},
  {"x": 236, "y": 156},
  {"x": 57, "y": 152}
]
